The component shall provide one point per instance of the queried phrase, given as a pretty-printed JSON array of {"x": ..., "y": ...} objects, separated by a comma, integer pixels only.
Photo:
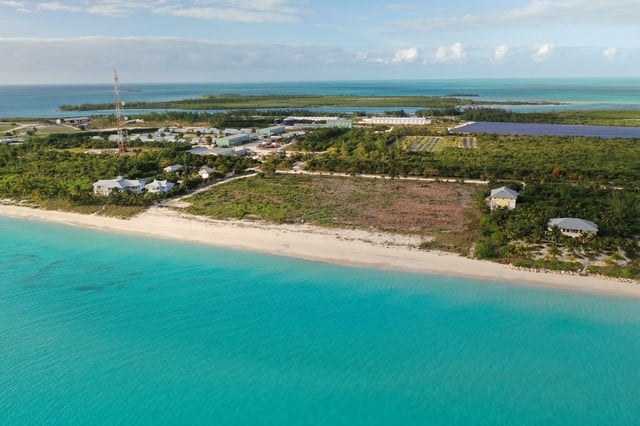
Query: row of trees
[
  {"x": 528, "y": 158},
  {"x": 41, "y": 170}
]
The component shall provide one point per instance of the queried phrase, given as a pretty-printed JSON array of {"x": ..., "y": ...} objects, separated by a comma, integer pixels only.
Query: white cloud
[
  {"x": 248, "y": 11},
  {"x": 228, "y": 14},
  {"x": 610, "y": 53},
  {"x": 20, "y": 6},
  {"x": 162, "y": 59},
  {"x": 451, "y": 54},
  {"x": 12, "y": 3},
  {"x": 543, "y": 52},
  {"x": 405, "y": 55},
  {"x": 539, "y": 13},
  {"x": 501, "y": 53},
  {"x": 362, "y": 56},
  {"x": 55, "y": 5}
]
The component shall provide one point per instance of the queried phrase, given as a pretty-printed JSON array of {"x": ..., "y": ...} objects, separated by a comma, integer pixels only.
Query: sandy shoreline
[{"x": 345, "y": 247}]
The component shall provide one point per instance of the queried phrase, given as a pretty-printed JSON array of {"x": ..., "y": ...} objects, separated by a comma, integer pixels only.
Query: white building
[
  {"x": 206, "y": 172},
  {"x": 301, "y": 122},
  {"x": 573, "y": 227},
  {"x": 159, "y": 186},
  {"x": 76, "y": 121},
  {"x": 106, "y": 186},
  {"x": 401, "y": 121},
  {"x": 173, "y": 168}
]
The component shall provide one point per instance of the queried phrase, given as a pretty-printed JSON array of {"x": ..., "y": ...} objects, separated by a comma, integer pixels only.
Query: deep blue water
[
  {"x": 109, "y": 329},
  {"x": 44, "y": 100},
  {"x": 535, "y": 129}
]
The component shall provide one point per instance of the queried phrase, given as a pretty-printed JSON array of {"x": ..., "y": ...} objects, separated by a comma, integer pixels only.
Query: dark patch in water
[
  {"x": 45, "y": 270},
  {"x": 24, "y": 258},
  {"x": 88, "y": 288}
]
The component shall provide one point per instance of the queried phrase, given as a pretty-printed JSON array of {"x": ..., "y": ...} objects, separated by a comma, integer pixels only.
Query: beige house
[{"x": 503, "y": 197}]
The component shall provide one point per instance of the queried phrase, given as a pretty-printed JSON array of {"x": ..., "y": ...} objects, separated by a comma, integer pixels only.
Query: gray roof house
[
  {"x": 206, "y": 172},
  {"x": 106, "y": 186},
  {"x": 573, "y": 227},
  {"x": 173, "y": 168},
  {"x": 159, "y": 186},
  {"x": 503, "y": 197}
]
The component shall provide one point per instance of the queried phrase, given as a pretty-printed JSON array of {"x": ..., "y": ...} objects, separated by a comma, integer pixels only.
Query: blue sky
[{"x": 82, "y": 41}]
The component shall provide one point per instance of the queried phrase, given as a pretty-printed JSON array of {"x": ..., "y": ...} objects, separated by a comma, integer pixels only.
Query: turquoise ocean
[
  {"x": 592, "y": 93},
  {"x": 98, "y": 328}
]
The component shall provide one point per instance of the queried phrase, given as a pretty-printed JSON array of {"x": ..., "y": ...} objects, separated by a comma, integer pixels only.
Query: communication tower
[{"x": 122, "y": 135}]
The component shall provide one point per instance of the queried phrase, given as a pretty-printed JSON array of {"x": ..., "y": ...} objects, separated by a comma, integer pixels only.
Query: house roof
[
  {"x": 119, "y": 182},
  {"x": 574, "y": 223},
  {"x": 160, "y": 185},
  {"x": 504, "y": 192},
  {"x": 173, "y": 167}
]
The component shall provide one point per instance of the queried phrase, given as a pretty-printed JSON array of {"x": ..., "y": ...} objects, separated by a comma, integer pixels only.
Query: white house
[
  {"x": 206, "y": 172},
  {"x": 503, "y": 197},
  {"x": 173, "y": 168},
  {"x": 106, "y": 186},
  {"x": 573, "y": 227},
  {"x": 159, "y": 186}
]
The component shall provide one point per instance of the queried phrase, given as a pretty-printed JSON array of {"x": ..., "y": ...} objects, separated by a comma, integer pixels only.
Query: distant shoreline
[{"x": 336, "y": 246}]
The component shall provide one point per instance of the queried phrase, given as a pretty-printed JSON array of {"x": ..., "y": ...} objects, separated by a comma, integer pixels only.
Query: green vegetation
[
  {"x": 526, "y": 158},
  {"x": 610, "y": 118},
  {"x": 52, "y": 173},
  {"x": 616, "y": 211},
  {"x": 231, "y": 101},
  {"x": 394, "y": 206},
  {"x": 589, "y": 178}
]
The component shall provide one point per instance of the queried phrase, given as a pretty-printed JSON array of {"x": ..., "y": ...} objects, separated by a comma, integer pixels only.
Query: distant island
[
  {"x": 233, "y": 101},
  {"x": 462, "y": 95}
]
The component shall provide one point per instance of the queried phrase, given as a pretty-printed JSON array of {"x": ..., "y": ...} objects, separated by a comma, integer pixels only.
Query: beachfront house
[
  {"x": 206, "y": 172},
  {"x": 107, "y": 186},
  {"x": 503, "y": 197},
  {"x": 573, "y": 227},
  {"x": 159, "y": 186},
  {"x": 173, "y": 168}
]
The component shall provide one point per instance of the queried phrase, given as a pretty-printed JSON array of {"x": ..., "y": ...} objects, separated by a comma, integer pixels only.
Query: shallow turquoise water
[
  {"x": 578, "y": 93},
  {"x": 106, "y": 329}
]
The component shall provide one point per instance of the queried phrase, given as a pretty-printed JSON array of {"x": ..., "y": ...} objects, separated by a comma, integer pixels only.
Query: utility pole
[{"x": 120, "y": 118}]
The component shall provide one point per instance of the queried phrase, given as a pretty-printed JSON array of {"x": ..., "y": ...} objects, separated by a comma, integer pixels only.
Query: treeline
[
  {"x": 230, "y": 119},
  {"x": 231, "y": 101},
  {"x": 616, "y": 118},
  {"x": 512, "y": 235},
  {"x": 528, "y": 158},
  {"x": 44, "y": 171}
]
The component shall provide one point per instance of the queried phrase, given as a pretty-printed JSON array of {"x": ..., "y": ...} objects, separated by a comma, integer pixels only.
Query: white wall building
[
  {"x": 159, "y": 186},
  {"x": 401, "y": 121},
  {"x": 573, "y": 227},
  {"x": 107, "y": 186}
]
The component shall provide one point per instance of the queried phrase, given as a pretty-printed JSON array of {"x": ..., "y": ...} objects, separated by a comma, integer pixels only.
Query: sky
[{"x": 83, "y": 41}]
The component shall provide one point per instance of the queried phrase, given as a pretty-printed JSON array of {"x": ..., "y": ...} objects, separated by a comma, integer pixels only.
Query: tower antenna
[{"x": 122, "y": 135}]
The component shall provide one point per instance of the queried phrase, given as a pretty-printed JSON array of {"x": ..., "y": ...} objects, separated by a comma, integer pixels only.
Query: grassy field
[
  {"x": 430, "y": 143},
  {"x": 442, "y": 211}
]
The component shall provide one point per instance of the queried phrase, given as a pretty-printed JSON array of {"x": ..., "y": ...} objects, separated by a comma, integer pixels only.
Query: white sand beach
[{"x": 346, "y": 247}]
